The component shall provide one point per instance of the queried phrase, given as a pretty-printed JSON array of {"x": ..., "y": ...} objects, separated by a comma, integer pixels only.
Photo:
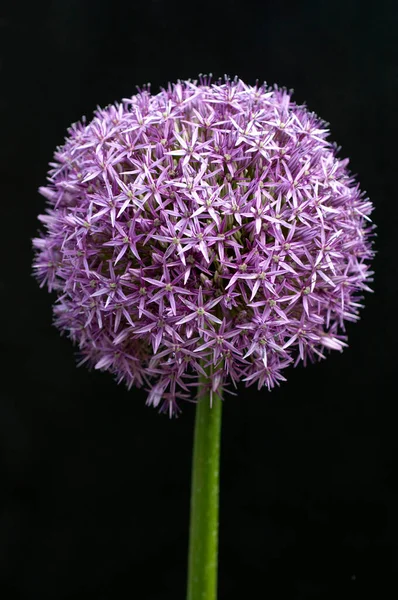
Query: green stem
[{"x": 203, "y": 533}]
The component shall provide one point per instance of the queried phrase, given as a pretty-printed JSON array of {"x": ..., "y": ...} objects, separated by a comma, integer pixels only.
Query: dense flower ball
[{"x": 208, "y": 229}]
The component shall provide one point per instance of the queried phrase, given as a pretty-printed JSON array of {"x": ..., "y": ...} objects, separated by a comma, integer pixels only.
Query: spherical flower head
[{"x": 209, "y": 229}]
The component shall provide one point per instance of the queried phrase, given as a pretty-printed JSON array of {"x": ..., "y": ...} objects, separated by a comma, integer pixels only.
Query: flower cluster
[{"x": 208, "y": 229}]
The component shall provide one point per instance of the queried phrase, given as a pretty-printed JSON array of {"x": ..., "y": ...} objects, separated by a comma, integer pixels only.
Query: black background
[{"x": 94, "y": 486}]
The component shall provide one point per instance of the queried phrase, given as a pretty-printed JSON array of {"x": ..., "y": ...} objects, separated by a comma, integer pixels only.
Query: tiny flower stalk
[{"x": 203, "y": 534}]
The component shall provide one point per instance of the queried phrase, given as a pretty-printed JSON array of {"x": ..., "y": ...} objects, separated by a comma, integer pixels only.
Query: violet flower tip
[{"x": 219, "y": 219}]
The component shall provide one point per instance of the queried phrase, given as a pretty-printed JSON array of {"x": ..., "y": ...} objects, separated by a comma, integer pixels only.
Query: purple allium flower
[{"x": 209, "y": 225}]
